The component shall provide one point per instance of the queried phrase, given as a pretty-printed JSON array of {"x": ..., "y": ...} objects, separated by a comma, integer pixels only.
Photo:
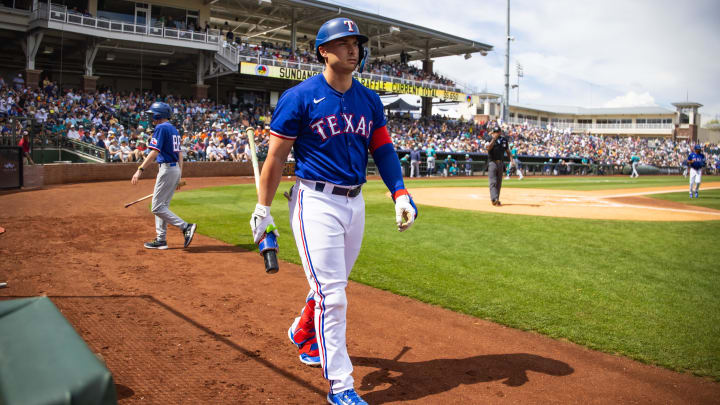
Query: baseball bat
[
  {"x": 268, "y": 246},
  {"x": 182, "y": 183},
  {"x": 138, "y": 200}
]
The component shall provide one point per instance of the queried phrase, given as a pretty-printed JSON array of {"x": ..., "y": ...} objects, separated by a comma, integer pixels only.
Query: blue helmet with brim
[{"x": 339, "y": 28}]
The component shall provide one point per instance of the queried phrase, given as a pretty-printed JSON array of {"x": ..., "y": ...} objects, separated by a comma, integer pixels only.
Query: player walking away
[
  {"x": 165, "y": 148},
  {"x": 515, "y": 162},
  {"x": 634, "y": 162},
  {"x": 331, "y": 121},
  {"x": 497, "y": 146},
  {"x": 696, "y": 162}
]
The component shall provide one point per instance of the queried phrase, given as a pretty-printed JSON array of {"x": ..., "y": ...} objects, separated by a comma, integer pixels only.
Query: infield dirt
[
  {"x": 206, "y": 325},
  {"x": 624, "y": 204}
]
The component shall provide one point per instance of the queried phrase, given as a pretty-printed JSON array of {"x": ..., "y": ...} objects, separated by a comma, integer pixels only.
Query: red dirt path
[{"x": 207, "y": 325}]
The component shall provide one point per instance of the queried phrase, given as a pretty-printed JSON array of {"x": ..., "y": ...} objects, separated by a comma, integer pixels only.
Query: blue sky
[{"x": 587, "y": 53}]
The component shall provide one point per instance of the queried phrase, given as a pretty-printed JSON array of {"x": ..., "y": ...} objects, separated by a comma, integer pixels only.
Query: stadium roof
[
  {"x": 597, "y": 111},
  {"x": 271, "y": 20}
]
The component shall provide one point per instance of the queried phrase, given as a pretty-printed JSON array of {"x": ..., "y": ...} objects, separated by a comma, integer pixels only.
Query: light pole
[{"x": 506, "y": 104}]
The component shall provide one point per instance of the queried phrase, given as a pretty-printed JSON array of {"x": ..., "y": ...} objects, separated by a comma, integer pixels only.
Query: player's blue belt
[{"x": 337, "y": 190}]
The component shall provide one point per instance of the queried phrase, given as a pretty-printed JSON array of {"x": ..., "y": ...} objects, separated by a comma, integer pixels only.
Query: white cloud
[
  {"x": 582, "y": 53},
  {"x": 632, "y": 99}
]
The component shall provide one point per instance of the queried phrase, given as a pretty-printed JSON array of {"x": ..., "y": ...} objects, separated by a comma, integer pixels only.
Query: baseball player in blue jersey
[
  {"x": 696, "y": 162},
  {"x": 165, "y": 148},
  {"x": 332, "y": 122}
]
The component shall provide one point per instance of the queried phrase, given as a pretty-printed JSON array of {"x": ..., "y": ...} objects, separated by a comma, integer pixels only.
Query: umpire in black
[{"x": 497, "y": 146}]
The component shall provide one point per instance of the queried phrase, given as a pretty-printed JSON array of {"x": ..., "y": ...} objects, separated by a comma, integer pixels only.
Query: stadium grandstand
[
  {"x": 213, "y": 49},
  {"x": 77, "y": 75}
]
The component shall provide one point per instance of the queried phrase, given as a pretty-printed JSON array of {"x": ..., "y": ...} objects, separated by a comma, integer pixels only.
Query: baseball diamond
[
  {"x": 371, "y": 150},
  {"x": 210, "y": 341}
]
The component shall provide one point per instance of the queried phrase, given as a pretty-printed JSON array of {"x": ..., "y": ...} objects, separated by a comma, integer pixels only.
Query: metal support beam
[
  {"x": 30, "y": 46},
  {"x": 90, "y": 54},
  {"x": 293, "y": 31},
  {"x": 213, "y": 69},
  {"x": 201, "y": 68}
]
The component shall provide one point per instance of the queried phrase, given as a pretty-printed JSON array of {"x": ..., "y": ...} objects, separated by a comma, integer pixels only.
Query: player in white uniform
[
  {"x": 331, "y": 121},
  {"x": 696, "y": 162}
]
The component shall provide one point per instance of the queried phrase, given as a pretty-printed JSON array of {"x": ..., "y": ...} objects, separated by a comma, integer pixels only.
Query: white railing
[
  {"x": 655, "y": 126},
  {"x": 62, "y": 14},
  {"x": 563, "y": 125},
  {"x": 254, "y": 57}
]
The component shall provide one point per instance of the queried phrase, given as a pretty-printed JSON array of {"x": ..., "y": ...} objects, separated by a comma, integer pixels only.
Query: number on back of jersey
[{"x": 176, "y": 143}]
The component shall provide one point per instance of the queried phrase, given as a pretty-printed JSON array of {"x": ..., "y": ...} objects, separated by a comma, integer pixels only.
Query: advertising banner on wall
[{"x": 289, "y": 73}]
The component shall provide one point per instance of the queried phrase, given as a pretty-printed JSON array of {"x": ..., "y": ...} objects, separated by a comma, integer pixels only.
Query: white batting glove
[
  {"x": 260, "y": 221},
  {"x": 404, "y": 213}
]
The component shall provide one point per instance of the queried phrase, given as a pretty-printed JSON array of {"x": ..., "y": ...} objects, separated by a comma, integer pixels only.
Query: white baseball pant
[
  {"x": 328, "y": 231},
  {"x": 695, "y": 179}
]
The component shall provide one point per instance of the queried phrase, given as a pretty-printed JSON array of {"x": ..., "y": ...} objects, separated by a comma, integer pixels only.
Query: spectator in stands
[
  {"x": 73, "y": 133},
  {"x": 19, "y": 82},
  {"x": 86, "y": 136},
  {"x": 25, "y": 145},
  {"x": 126, "y": 153},
  {"x": 114, "y": 151},
  {"x": 101, "y": 141},
  {"x": 141, "y": 150},
  {"x": 213, "y": 154}
]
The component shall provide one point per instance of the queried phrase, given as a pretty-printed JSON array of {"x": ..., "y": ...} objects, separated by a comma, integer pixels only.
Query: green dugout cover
[{"x": 44, "y": 361}]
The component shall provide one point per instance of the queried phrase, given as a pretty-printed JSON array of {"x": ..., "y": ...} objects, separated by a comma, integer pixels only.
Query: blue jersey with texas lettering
[
  {"x": 332, "y": 130},
  {"x": 166, "y": 140},
  {"x": 697, "y": 160}
]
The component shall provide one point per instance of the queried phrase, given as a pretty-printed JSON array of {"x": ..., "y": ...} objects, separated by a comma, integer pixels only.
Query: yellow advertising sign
[{"x": 377, "y": 85}]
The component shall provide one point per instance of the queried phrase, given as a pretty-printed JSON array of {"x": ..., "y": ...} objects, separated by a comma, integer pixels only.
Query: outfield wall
[{"x": 62, "y": 173}]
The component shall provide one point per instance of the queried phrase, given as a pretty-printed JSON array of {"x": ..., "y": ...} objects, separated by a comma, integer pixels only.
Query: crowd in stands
[
  {"x": 116, "y": 122},
  {"x": 448, "y": 136}
]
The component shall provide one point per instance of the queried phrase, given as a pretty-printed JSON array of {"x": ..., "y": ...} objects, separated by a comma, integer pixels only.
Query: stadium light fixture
[
  {"x": 110, "y": 57},
  {"x": 468, "y": 55},
  {"x": 163, "y": 62},
  {"x": 394, "y": 29},
  {"x": 267, "y": 2},
  {"x": 48, "y": 50}
]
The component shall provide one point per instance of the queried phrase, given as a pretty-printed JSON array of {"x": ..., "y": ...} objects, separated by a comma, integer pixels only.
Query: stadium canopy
[
  {"x": 274, "y": 21},
  {"x": 401, "y": 105}
]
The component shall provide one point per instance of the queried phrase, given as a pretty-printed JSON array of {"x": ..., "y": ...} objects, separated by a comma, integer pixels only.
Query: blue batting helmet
[
  {"x": 338, "y": 28},
  {"x": 698, "y": 147},
  {"x": 160, "y": 110}
]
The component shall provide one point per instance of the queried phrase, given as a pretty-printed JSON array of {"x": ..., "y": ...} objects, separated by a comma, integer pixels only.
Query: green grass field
[{"x": 646, "y": 290}]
